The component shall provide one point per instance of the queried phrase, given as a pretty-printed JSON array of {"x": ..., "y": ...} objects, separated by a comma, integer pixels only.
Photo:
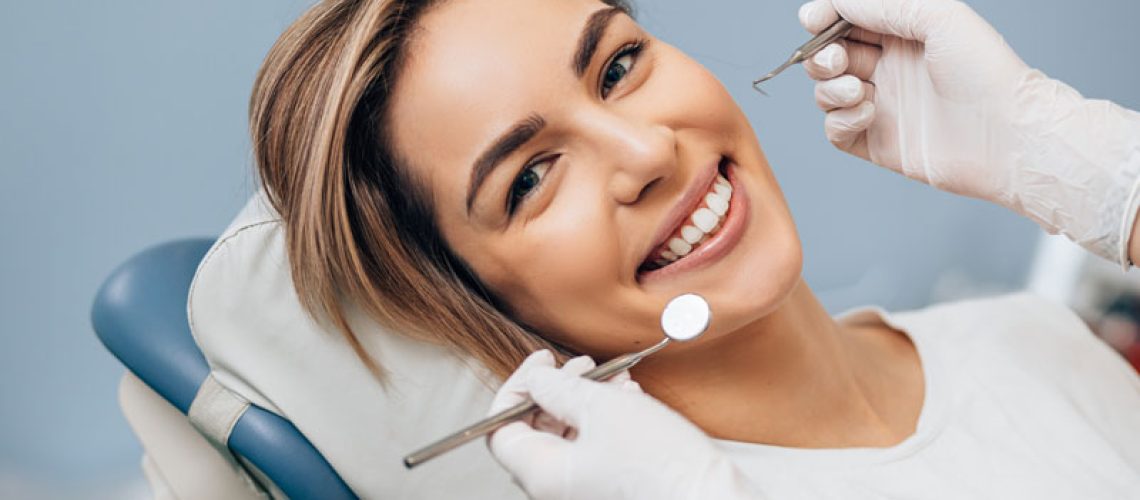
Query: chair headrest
[{"x": 259, "y": 342}]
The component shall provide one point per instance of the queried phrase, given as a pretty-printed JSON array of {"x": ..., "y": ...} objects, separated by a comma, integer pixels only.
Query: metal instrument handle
[
  {"x": 837, "y": 30},
  {"x": 521, "y": 410}
]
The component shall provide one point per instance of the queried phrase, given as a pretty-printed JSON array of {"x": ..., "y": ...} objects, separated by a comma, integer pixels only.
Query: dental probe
[
  {"x": 837, "y": 30},
  {"x": 685, "y": 318}
]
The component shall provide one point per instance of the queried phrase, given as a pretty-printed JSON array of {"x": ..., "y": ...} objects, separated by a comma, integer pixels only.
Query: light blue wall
[{"x": 122, "y": 125}]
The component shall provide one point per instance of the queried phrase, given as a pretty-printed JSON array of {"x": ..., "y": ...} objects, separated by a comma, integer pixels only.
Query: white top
[{"x": 1021, "y": 401}]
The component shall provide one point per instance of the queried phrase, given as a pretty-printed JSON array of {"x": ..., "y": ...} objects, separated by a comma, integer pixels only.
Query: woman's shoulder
[
  {"x": 1021, "y": 332},
  {"x": 1023, "y": 360},
  {"x": 1016, "y": 317},
  {"x": 1020, "y": 324}
]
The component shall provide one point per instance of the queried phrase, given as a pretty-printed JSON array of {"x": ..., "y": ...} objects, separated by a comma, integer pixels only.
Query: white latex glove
[
  {"x": 927, "y": 88},
  {"x": 599, "y": 441}
]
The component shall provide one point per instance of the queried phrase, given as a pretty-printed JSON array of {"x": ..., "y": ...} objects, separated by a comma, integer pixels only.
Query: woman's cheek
[{"x": 576, "y": 248}]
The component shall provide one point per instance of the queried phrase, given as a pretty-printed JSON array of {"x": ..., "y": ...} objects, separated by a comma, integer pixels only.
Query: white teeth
[
  {"x": 691, "y": 234},
  {"x": 724, "y": 190},
  {"x": 680, "y": 247},
  {"x": 705, "y": 219},
  {"x": 716, "y": 204}
]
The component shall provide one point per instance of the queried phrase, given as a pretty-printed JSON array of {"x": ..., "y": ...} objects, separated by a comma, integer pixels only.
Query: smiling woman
[{"x": 502, "y": 176}]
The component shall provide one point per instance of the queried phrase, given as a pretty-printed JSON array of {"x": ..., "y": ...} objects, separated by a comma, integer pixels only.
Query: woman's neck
[{"x": 795, "y": 378}]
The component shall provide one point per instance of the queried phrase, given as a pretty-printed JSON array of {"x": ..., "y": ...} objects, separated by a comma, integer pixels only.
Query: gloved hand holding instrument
[
  {"x": 605, "y": 440},
  {"x": 928, "y": 89}
]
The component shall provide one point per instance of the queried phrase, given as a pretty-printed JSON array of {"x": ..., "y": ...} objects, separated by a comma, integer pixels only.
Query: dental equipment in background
[
  {"x": 685, "y": 318},
  {"x": 837, "y": 30}
]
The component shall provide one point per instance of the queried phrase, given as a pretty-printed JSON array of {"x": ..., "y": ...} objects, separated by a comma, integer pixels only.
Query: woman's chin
[{"x": 755, "y": 292}]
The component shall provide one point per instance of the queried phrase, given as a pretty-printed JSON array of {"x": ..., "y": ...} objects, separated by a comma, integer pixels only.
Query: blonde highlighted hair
[{"x": 357, "y": 227}]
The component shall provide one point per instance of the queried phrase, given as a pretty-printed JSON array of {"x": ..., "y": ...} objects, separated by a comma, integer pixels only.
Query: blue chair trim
[{"x": 140, "y": 316}]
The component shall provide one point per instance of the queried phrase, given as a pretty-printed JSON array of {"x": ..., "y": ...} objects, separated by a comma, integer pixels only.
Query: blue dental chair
[{"x": 139, "y": 314}]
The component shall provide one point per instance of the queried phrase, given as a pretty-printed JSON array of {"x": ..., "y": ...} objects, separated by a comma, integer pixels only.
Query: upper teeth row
[{"x": 704, "y": 221}]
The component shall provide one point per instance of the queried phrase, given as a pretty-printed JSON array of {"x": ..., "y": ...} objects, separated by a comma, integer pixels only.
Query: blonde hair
[{"x": 357, "y": 228}]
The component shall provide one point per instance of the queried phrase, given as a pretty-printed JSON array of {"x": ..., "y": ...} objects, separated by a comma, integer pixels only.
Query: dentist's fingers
[
  {"x": 632, "y": 386},
  {"x": 907, "y": 19},
  {"x": 845, "y": 56},
  {"x": 546, "y": 422},
  {"x": 868, "y": 37},
  {"x": 620, "y": 379},
  {"x": 513, "y": 391},
  {"x": 516, "y": 446},
  {"x": 845, "y": 127},
  {"x": 828, "y": 63},
  {"x": 842, "y": 92},
  {"x": 923, "y": 17},
  {"x": 862, "y": 59},
  {"x": 817, "y": 15},
  {"x": 565, "y": 396},
  {"x": 583, "y": 364},
  {"x": 578, "y": 365}
]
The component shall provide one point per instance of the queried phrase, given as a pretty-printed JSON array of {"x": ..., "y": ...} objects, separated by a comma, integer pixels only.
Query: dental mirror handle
[{"x": 521, "y": 410}]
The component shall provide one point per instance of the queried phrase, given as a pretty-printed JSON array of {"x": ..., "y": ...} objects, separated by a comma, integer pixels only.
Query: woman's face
[{"x": 565, "y": 148}]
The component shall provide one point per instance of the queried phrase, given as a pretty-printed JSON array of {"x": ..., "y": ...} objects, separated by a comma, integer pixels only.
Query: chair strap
[{"x": 214, "y": 412}]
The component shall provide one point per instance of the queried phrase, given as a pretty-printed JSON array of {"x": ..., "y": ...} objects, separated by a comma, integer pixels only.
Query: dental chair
[
  {"x": 140, "y": 316},
  {"x": 235, "y": 392}
]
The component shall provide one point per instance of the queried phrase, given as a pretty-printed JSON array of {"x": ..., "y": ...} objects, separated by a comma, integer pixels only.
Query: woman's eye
[
  {"x": 620, "y": 66},
  {"x": 615, "y": 72},
  {"x": 526, "y": 182}
]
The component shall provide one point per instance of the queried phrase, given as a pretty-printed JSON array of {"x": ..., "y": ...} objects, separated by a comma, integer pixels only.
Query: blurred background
[{"x": 123, "y": 125}]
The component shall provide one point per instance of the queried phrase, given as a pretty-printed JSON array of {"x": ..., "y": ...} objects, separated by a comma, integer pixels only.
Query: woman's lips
[
  {"x": 718, "y": 244},
  {"x": 683, "y": 209},
  {"x": 704, "y": 220}
]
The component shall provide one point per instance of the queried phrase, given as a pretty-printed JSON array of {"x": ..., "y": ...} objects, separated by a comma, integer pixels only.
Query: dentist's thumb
[{"x": 908, "y": 19}]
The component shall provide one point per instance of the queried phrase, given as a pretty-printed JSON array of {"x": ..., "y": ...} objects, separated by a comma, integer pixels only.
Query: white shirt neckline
[{"x": 931, "y": 419}]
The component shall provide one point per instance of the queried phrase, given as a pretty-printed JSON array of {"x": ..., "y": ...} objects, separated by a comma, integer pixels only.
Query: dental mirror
[{"x": 685, "y": 317}]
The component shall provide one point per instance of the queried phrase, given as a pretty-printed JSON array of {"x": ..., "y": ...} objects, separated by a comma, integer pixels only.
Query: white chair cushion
[{"x": 246, "y": 319}]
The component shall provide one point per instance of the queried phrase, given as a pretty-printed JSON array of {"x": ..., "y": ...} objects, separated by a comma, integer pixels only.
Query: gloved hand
[
  {"x": 600, "y": 441},
  {"x": 927, "y": 88}
]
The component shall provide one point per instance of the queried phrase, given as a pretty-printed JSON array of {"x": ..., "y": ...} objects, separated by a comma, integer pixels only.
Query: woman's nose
[{"x": 641, "y": 155}]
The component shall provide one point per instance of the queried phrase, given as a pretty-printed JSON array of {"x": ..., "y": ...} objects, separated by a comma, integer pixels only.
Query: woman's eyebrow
[
  {"x": 591, "y": 34},
  {"x": 524, "y": 130}
]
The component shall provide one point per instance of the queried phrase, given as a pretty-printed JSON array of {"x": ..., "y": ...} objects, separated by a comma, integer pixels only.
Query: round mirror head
[{"x": 686, "y": 317}]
